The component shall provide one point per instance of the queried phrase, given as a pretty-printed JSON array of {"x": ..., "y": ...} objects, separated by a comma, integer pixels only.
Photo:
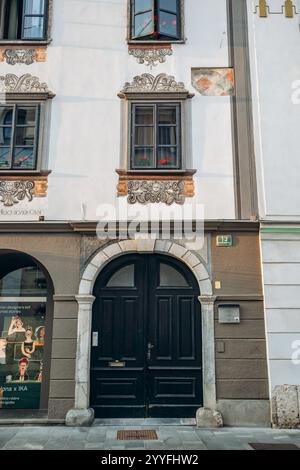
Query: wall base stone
[
  {"x": 80, "y": 418},
  {"x": 286, "y": 407},
  {"x": 207, "y": 418}
]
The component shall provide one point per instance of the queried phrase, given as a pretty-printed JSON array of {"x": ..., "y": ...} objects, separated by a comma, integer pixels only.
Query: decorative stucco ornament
[
  {"x": 147, "y": 83},
  {"x": 12, "y": 192},
  {"x": 166, "y": 192},
  {"x": 19, "y": 56},
  {"x": 27, "y": 83},
  {"x": 151, "y": 57}
]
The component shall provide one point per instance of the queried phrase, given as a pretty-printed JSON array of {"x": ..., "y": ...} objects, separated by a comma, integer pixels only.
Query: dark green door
[{"x": 146, "y": 343}]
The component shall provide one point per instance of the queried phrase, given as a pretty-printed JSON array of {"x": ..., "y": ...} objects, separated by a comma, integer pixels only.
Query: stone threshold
[
  {"x": 31, "y": 422},
  {"x": 146, "y": 422}
]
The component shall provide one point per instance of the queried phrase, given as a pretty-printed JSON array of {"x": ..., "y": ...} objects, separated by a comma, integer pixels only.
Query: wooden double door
[{"x": 146, "y": 358}]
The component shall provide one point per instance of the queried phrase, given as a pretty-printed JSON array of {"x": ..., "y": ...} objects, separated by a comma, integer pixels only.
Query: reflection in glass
[
  {"x": 142, "y": 5},
  {"x": 4, "y": 157},
  {"x": 167, "y": 157},
  {"x": 23, "y": 158},
  {"x": 167, "y": 115},
  {"x": 29, "y": 281},
  {"x": 170, "y": 5},
  {"x": 143, "y": 24},
  {"x": 34, "y": 7},
  {"x": 167, "y": 136},
  {"x": 123, "y": 278},
  {"x": 6, "y": 116},
  {"x": 143, "y": 158},
  {"x": 168, "y": 24},
  {"x": 33, "y": 27},
  {"x": 26, "y": 116},
  {"x": 170, "y": 277}
]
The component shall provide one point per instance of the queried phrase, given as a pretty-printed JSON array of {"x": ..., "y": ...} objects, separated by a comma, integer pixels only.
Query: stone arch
[
  {"x": 110, "y": 252},
  {"x": 82, "y": 414}
]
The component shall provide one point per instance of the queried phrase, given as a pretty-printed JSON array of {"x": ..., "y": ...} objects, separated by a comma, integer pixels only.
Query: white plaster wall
[
  {"x": 87, "y": 65},
  {"x": 281, "y": 270},
  {"x": 275, "y": 67}
]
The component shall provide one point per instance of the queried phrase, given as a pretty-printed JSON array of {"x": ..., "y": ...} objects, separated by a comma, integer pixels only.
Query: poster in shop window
[{"x": 22, "y": 337}]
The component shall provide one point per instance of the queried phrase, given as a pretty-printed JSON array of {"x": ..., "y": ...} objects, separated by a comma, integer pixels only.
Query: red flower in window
[{"x": 155, "y": 34}]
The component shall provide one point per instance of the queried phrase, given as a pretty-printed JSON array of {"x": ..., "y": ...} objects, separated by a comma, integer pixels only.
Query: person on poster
[
  {"x": 3, "y": 343},
  {"x": 39, "y": 377},
  {"x": 40, "y": 336},
  {"x": 16, "y": 334},
  {"x": 22, "y": 375},
  {"x": 28, "y": 346}
]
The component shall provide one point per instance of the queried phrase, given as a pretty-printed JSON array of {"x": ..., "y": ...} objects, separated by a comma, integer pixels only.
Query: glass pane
[
  {"x": 5, "y": 135},
  {"x": 34, "y": 7},
  {"x": 167, "y": 157},
  {"x": 168, "y": 24},
  {"x": 5, "y": 157},
  {"x": 143, "y": 24},
  {"x": 167, "y": 136},
  {"x": 24, "y": 158},
  {"x": 167, "y": 115},
  {"x": 170, "y": 277},
  {"x": 170, "y": 5},
  {"x": 143, "y": 136},
  {"x": 24, "y": 282},
  {"x": 26, "y": 116},
  {"x": 33, "y": 27},
  {"x": 142, "y": 5},
  {"x": 6, "y": 116},
  {"x": 25, "y": 136},
  {"x": 144, "y": 116},
  {"x": 123, "y": 278},
  {"x": 143, "y": 158}
]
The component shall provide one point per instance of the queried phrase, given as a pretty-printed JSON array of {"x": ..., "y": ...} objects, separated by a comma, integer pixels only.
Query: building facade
[
  {"x": 275, "y": 91},
  {"x": 129, "y": 112}
]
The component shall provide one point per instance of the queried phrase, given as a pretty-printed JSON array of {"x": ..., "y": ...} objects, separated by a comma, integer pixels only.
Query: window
[
  {"x": 23, "y": 19},
  {"x": 18, "y": 136},
  {"x": 156, "y": 20},
  {"x": 156, "y": 136}
]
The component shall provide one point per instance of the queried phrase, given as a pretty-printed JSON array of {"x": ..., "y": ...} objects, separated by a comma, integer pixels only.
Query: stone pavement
[{"x": 172, "y": 437}]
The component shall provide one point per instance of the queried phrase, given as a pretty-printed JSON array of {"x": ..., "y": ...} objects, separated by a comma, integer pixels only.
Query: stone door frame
[{"x": 82, "y": 414}]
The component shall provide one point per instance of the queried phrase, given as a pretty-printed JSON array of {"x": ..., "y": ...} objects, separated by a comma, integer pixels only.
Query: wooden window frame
[
  {"x": 41, "y": 136},
  {"x": 156, "y": 145},
  {"x": 165, "y": 39},
  {"x": 45, "y": 40}
]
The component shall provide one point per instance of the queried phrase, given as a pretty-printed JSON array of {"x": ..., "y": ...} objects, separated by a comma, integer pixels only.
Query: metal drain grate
[
  {"x": 257, "y": 446},
  {"x": 143, "y": 435}
]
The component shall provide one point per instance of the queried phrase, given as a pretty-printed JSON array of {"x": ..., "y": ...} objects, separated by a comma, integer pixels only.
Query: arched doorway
[
  {"x": 146, "y": 357},
  {"x": 26, "y": 296}
]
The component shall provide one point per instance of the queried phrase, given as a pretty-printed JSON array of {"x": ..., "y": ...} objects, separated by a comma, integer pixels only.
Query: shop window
[
  {"x": 23, "y": 330},
  {"x": 156, "y": 139},
  {"x": 156, "y": 20},
  {"x": 23, "y": 20}
]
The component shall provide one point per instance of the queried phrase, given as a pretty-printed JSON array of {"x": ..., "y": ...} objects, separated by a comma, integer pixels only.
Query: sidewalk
[{"x": 101, "y": 437}]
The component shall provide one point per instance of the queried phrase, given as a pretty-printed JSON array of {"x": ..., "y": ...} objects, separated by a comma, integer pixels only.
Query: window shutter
[{"x": 142, "y": 18}]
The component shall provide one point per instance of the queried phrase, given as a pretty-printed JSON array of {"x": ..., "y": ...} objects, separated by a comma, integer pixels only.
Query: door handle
[{"x": 149, "y": 350}]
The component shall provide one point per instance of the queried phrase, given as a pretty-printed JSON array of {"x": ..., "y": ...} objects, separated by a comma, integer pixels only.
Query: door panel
[{"x": 148, "y": 360}]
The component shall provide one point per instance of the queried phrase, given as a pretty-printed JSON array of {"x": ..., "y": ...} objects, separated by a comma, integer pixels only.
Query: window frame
[
  {"x": 155, "y": 105},
  {"x": 41, "y": 135},
  {"x": 46, "y": 28},
  {"x": 167, "y": 40}
]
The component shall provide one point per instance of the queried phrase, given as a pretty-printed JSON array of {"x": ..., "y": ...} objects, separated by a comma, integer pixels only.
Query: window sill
[
  {"x": 39, "y": 178},
  {"x": 21, "y": 42},
  {"x": 136, "y": 42}
]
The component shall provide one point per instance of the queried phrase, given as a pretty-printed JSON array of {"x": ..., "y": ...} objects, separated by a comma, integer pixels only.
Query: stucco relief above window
[
  {"x": 24, "y": 130},
  {"x": 156, "y": 149},
  {"x": 25, "y": 30}
]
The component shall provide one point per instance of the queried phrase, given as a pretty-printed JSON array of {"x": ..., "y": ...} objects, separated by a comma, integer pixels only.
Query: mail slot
[{"x": 117, "y": 364}]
